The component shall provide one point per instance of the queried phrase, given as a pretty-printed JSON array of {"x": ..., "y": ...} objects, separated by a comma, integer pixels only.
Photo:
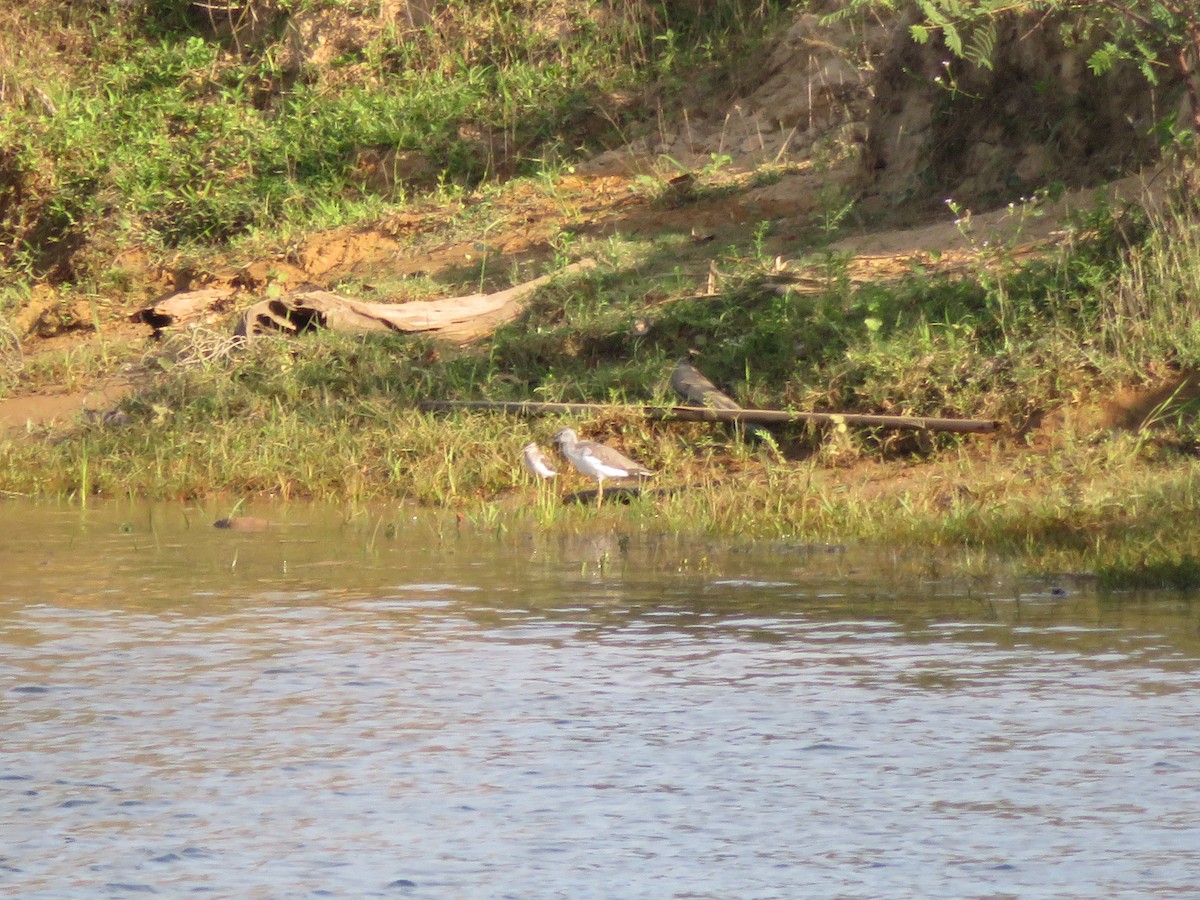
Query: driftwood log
[
  {"x": 454, "y": 318},
  {"x": 707, "y": 414},
  {"x": 186, "y": 308}
]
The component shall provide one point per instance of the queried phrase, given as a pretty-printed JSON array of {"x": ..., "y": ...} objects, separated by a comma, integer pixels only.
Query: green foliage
[
  {"x": 175, "y": 137},
  {"x": 1154, "y": 35}
]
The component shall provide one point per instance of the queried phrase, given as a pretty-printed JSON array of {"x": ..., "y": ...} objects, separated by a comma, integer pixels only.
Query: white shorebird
[
  {"x": 597, "y": 461},
  {"x": 533, "y": 458}
]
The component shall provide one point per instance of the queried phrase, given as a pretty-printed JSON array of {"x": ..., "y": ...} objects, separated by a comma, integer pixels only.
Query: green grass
[
  {"x": 332, "y": 417},
  {"x": 165, "y": 135}
]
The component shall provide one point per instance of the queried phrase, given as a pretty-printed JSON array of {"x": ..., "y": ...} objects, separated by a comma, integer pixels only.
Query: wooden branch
[
  {"x": 186, "y": 307},
  {"x": 455, "y": 318},
  {"x": 705, "y": 414}
]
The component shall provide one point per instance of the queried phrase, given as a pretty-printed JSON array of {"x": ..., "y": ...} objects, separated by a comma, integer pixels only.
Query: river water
[{"x": 400, "y": 704}]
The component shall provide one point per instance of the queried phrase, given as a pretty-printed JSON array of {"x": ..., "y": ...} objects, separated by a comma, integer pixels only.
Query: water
[{"x": 388, "y": 706}]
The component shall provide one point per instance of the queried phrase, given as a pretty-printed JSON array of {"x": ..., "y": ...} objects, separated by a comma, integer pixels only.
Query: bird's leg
[{"x": 599, "y": 491}]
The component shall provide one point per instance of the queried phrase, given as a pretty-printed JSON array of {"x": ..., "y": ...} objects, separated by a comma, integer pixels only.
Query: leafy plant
[
  {"x": 1155, "y": 35},
  {"x": 165, "y": 134}
]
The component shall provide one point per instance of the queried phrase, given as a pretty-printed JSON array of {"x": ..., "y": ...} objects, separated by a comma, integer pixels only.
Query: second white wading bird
[
  {"x": 533, "y": 458},
  {"x": 598, "y": 461}
]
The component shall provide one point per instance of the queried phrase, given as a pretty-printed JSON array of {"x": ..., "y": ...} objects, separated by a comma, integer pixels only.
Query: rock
[{"x": 243, "y": 523}]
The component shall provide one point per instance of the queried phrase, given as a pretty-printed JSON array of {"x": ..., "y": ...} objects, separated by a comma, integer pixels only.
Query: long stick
[{"x": 705, "y": 414}]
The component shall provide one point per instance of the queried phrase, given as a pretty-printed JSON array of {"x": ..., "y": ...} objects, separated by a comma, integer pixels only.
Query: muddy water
[{"x": 386, "y": 706}]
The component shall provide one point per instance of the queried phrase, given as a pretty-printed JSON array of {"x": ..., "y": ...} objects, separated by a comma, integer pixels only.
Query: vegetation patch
[{"x": 451, "y": 156}]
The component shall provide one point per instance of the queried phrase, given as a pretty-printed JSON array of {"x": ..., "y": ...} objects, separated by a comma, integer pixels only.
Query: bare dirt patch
[{"x": 61, "y": 407}]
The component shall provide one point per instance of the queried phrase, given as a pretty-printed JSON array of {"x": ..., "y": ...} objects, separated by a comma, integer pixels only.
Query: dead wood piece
[
  {"x": 243, "y": 523},
  {"x": 185, "y": 308},
  {"x": 456, "y": 318}
]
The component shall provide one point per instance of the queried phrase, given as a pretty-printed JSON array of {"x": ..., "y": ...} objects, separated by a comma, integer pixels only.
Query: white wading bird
[
  {"x": 597, "y": 461},
  {"x": 533, "y": 458}
]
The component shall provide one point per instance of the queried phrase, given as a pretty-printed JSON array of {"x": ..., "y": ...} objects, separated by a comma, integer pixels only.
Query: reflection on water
[{"x": 389, "y": 707}]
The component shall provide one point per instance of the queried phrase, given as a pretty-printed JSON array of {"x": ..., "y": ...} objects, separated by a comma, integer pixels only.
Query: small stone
[{"x": 243, "y": 523}]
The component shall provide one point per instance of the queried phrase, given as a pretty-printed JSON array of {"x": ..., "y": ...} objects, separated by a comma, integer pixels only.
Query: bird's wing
[
  {"x": 544, "y": 465},
  {"x": 609, "y": 462}
]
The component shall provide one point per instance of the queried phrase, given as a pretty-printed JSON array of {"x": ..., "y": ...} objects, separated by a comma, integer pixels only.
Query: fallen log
[
  {"x": 185, "y": 308},
  {"x": 456, "y": 318},
  {"x": 707, "y": 414}
]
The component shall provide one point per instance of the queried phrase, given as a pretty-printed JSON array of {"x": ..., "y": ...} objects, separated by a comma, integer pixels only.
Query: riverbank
[
  {"x": 1073, "y": 495},
  {"x": 1066, "y": 315}
]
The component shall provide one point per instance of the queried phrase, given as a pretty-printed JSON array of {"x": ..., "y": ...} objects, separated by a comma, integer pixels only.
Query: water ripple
[{"x": 500, "y": 728}]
